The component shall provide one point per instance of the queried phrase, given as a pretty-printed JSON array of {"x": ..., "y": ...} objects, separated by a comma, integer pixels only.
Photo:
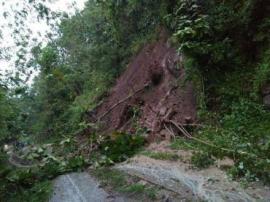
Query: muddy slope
[{"x": 152, "y": 83}]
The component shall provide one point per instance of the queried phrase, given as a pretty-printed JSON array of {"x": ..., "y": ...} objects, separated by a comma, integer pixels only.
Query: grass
[
  {"x": 181, "y": 143},
  {"x": 161, "y": 155},
  {"x": 134, "y": 188},
  {"x": 125, "y": 184},
  {"x": 150, "y": 192},
  {"x": 40, "y": 192},
  {"x": 110, "y": 177},
  {"x": 202, "y": 160}
]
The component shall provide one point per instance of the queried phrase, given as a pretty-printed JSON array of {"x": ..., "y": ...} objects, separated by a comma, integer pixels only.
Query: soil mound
[{"x": 153, "y": 85}]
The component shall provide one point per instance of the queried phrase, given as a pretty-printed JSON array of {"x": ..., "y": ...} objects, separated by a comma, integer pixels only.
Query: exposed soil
[{"x": 153, "y": 83}]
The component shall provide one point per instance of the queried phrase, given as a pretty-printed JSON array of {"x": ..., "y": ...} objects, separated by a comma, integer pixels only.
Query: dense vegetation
[{"x": 227, "y": 56}]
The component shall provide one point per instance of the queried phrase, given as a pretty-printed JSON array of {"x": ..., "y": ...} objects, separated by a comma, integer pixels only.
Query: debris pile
[{"x": 154, "y": 84}]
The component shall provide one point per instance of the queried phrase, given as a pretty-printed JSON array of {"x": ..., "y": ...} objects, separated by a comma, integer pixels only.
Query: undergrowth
[
  {"x": 125, "y": 184},
  {"x": 58, "y": 158},
  {"x": 121, "y": 146},
  {"x": 35, "y": 183},
  {"x": 161, "y": 155},
  {"x": 229, "y": 73},
  {"x": 202, "y": 160},
  {"x": 226, "y": 49}
]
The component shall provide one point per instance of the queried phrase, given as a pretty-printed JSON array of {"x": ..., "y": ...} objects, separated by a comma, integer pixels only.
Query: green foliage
[
  {"x": 4, "y": 115},
  {"x": 202, "y": 160},
  {"x": 161, "y": 155},
  {"x": 193, "y": 31},
  {"x": 250, "y": 132},
  {"x": 192, "y": 27},
  {"x": 24, "y": 185},
  {"x": 11, "y": 118},
  {"x": 77, "y": 68},
  {"x": 209, "y": 31},
  {"x": 226, "y": 49},
  {"x": 180, "y": 143},
  {"x": 40, "y": 192},
  {"x": 134, "y": 19},
  {"x": 76, "y": 162},
  {"x": 227, "y": 58},
  {"x": 134, "y": 189},
  {"x": 262, "y": 73},
  {"x": 124, "y": 183},
  {"x": 110, "y": 176},
  {"x": 48, "y": 161},
  {"x": 242, "y": 134},
  {"x": 121, "y": 146}
]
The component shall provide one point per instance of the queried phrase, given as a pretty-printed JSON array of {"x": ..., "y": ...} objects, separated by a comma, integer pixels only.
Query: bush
[
  {"x": 202, "y": 160},
  {"x": 121, "y": 146}
]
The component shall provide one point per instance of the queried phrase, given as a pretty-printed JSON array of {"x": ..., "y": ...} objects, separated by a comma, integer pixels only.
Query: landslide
[{"x": 154, "y": 84}]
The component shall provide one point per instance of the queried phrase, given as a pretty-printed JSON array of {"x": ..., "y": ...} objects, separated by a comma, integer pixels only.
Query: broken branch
[
  {"x": 123, "y": 100},
  {"x": 188, "y": 135}
]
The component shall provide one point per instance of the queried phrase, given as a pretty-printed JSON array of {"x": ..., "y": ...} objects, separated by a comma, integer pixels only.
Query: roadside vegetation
[
  {"x": 227, "y": 57},
  {"x": 161, "y": 155},
  {"x": 130, "y": 186}
]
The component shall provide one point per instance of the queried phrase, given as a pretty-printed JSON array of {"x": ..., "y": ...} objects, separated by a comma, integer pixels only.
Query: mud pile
[{"x": 152, "y": 84}]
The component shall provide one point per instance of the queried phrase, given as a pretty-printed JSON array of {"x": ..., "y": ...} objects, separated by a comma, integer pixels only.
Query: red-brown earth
[{"x": 153, "y": 84}]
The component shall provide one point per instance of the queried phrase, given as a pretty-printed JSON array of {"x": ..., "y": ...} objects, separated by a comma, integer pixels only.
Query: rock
[
  {"x": 162, "y": 111},
  {"x": 142, "y": 182}
]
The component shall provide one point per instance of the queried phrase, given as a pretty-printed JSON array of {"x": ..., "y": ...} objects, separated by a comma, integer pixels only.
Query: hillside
[
  {"x": 156, "y": 72},
  {"x": 122, "y": 76}
]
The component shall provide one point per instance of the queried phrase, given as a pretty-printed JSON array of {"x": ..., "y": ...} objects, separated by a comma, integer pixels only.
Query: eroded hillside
[{"x": 153, "y": 84}]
